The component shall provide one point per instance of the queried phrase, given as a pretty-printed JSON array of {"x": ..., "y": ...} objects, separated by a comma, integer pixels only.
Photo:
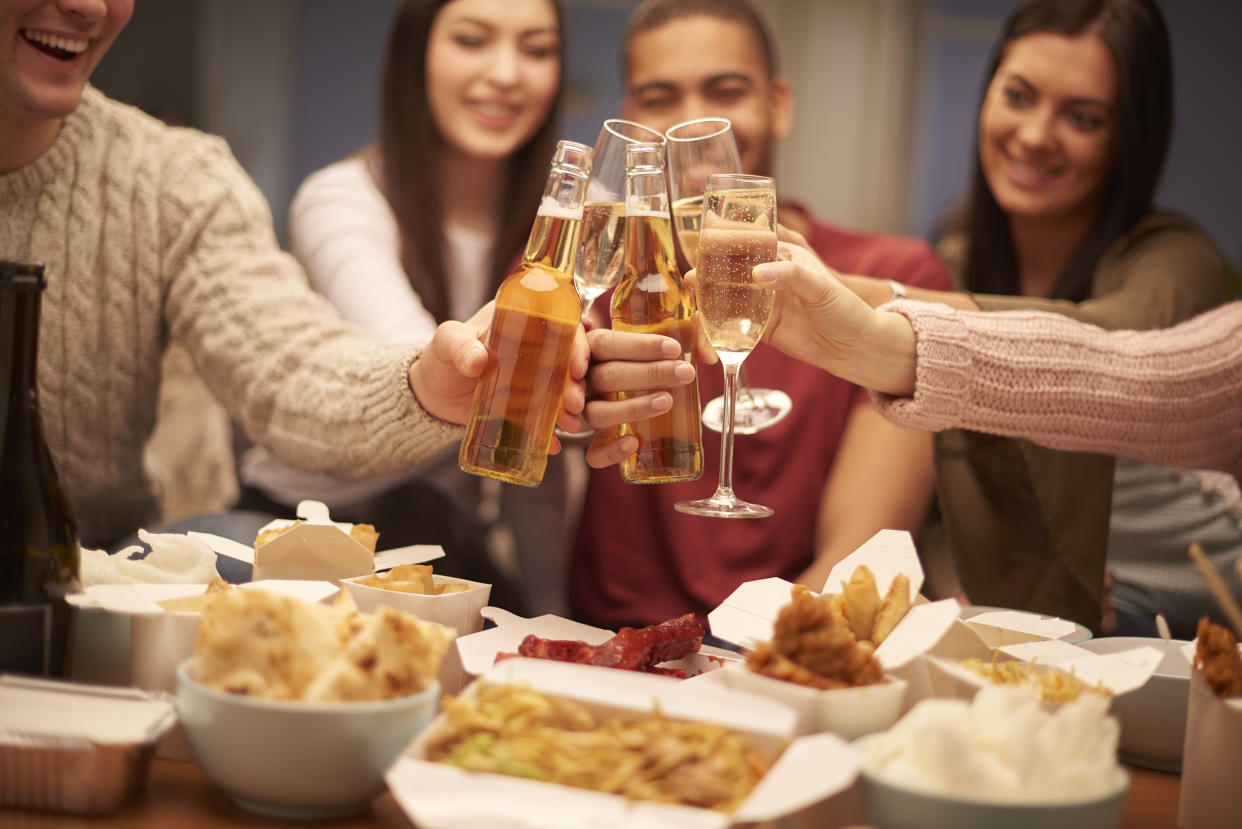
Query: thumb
[{"x": 813, "y": 288}]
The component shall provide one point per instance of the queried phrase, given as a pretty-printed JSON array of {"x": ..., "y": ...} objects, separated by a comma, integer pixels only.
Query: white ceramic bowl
[
  {"x": 894, "y": 807},
  {"x": 298, "y": 759},
  {"x": 891, "y": 806},
  {"x": 1153, "y": 717}
]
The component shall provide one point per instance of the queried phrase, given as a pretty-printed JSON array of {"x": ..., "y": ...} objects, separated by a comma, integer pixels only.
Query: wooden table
[{"x": 179, "y": 796}]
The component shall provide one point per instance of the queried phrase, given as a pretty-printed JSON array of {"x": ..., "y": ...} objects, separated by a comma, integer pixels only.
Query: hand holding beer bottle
[{"x": 537, "y": 315}]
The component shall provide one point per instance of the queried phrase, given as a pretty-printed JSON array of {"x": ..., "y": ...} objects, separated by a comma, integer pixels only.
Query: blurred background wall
[{"x": 886, "y": 94}]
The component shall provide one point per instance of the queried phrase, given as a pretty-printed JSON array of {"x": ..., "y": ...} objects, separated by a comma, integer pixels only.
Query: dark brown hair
[
  {"x": 1135, "y": 33},
  {"x": 653, "y": 14},
  {"x": 406, "y": 159}
]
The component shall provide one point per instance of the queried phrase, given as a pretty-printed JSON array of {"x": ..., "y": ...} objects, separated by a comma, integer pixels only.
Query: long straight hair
[
  {"x": 406, "y": 161},
  {"x": 1135, "y": 33}
]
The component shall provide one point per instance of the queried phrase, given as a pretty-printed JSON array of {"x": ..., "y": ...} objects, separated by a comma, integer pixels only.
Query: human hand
[
  {"x": 445, "y": 375},
  {"x": 818, "y": 320},
  {"x": 624, "y": 361}
]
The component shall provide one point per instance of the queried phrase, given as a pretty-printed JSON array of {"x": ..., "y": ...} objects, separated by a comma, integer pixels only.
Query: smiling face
[
  {"x": 699, "y": 67},
  {"x": 48, "y": 50},
  {"x": 493, "y": 69},
  {"x": 1048, "y": 127}
]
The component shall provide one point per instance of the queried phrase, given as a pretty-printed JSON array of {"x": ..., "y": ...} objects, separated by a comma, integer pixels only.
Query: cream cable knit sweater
[
  {"x": 1172, "y": 396},
  {"x": 151, "y": 234}
]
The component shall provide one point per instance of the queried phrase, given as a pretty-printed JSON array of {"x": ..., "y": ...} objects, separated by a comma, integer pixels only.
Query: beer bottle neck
[
  {"x": 645, "y": 191},
  {"x": 553, "y": 239}
]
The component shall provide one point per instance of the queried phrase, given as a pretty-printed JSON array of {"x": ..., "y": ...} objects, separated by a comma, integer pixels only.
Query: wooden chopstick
[{"x": 1217, "y": 585}]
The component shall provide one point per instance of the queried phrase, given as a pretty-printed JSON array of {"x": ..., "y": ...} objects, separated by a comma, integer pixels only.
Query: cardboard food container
[
  {"x": 1210, "y": 796},
  {"x": 319, "y": 549},
  {"x": 1119, "y": 672},
  {"x": 748, "y": 615},
  {"x": 459, "y": 610},
  {"x": 74, "y": 748},
  {"x": 161, "y": 639},
  {"x": 478, "y": 651},
  {"x": 441, "y": 796}
]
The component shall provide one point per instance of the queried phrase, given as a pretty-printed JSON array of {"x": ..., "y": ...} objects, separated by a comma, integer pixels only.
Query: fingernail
[
  {"x": 684, "y": 372},
  {"x": 767, "y": 274},
  {"x": 670, "y": 348},
  {"x": 661, "y": 403},
  {"x": 629, "y": 444}
]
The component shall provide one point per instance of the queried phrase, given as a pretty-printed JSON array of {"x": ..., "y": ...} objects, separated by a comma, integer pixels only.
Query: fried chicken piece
[
  {"x": 811, "y": 645},
  {"x": 1216, "y": 653}
]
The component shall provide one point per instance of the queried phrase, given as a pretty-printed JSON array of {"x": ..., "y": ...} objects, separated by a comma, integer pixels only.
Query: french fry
[
  {"x": 862, "y": 600},
  {"x": 892, "y": 609}
]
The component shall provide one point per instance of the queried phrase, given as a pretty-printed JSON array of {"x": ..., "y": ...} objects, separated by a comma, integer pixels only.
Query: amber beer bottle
[
  {"x": 652, "y": 298},
  {"x": 537, "y": 312},
  {"x": 38, "y": 535}
]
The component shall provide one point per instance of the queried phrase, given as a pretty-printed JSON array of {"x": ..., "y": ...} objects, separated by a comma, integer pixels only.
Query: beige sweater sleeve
[
  {"x": 317, "y": 392},
  {"x": 1172, "y": 396}
]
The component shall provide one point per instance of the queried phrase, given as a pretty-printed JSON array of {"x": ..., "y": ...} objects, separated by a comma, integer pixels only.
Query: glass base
[
  {"x": 757, "y": 409},
  {"x": 723, "y": 504}
]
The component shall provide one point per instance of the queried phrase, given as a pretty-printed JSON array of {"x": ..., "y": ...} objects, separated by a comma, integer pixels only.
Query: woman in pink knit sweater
[{"x": 1171, "y": 396}]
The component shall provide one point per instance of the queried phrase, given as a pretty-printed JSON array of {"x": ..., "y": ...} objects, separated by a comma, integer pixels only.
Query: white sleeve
[{"x": 342, "y": 230}]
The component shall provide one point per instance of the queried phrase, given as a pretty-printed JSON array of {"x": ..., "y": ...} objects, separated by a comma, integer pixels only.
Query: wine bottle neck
[{"x": 19, "y": 343}]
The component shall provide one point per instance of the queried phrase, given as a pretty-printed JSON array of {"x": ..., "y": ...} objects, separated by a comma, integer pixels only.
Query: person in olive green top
[{"x": 1073, "y": 131}]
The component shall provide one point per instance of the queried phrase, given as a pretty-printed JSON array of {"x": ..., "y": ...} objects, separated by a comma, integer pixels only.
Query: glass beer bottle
[
  {"x": 537, "y": 311},
  {"x": 651, "y": 298},
  {"x": 38, "y": 535}
]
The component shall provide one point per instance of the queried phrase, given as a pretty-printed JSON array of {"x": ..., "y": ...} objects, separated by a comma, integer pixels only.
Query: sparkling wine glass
[
  {"x": 697, "y": 149},
  {"x": 601, "y": 256},
  {"x": 737, "y": 232}
]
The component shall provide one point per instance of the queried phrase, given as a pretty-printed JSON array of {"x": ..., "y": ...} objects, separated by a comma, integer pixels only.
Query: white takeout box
[
  {"x": 748, "y": 615},
  {"x": 478, "y": 651},
  {"x": 1210, "y": 797},
  {"x": 160, "y": 639},
  {"x": 460, "y": 611},
  {"x": 1119, "y": 672},
  {"x": 441, "y": 796},
  {"x": 318, "y": 549}
]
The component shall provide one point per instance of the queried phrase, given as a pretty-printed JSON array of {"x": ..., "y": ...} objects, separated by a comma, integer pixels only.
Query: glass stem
[{"x": 731, "y": 371}]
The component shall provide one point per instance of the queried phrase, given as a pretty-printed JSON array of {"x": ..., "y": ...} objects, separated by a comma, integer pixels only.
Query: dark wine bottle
[{"x": 38, "y": 535}]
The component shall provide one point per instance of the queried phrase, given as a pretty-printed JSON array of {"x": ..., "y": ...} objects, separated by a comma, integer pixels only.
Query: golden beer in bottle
[
  {"x": 651, "y": 298},
  {"x": 537, "y": 311}
]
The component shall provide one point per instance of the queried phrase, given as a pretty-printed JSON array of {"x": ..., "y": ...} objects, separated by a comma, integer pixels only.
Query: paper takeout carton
[
  {"x": 747, "y": 616},
  {"x": 459, "y": 610},
  {"x": 810, "y": 769},
  {"x": 317, "y": 549},
  {"x": 1210, "y": 797},
  {"x": 1119, "y": 672},
  {"x": 478, "y": 651}
]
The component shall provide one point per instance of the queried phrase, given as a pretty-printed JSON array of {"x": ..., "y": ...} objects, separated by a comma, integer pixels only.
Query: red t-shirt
[{"x": 637, "y": 561}]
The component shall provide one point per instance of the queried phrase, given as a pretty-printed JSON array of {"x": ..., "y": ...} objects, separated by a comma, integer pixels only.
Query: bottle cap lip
[
  {"x": 640, "y": 155},
  {"x": 28, "y": 275},
  {"x": 572, "y": 153}
]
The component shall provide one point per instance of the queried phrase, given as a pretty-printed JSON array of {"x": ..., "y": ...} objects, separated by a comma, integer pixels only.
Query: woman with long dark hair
[
  {"x": 1073, "y": 131},
  {"x": 421, "y": 226}
]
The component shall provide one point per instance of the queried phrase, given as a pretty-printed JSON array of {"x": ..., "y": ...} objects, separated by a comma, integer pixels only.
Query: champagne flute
[
  {"x": 696, "y": 149},
  {"x": 601, "y": 251},
  {"x": 737, "y": 232},
  {"x": 601, "y": 257}
]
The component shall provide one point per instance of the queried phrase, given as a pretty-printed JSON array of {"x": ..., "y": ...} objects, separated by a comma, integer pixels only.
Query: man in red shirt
[{"x": 834, "y": 470}]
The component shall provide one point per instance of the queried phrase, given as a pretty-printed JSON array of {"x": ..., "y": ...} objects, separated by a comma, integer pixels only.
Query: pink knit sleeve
[{"x": 1172, "y": 396}]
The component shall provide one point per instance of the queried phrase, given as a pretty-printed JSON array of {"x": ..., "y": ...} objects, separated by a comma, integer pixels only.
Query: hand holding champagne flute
[{"x": 738, "y": 232}]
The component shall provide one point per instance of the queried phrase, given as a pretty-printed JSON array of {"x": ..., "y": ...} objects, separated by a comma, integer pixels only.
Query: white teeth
[
  {"x": 494, "y": 110},
  {"x": 56, "y": 41}
]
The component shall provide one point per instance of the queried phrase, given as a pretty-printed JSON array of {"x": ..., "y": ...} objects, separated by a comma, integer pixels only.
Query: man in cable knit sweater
[{"x": 151, "y": 235}]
